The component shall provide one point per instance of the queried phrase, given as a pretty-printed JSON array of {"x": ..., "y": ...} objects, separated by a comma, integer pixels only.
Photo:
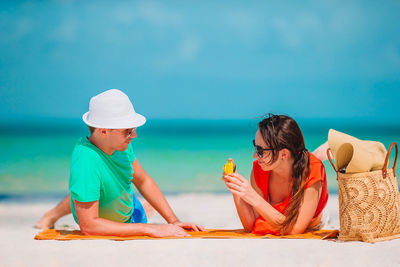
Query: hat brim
[
  {"x": 132, "y": 122},
  {"x": 354, "y": 154}
]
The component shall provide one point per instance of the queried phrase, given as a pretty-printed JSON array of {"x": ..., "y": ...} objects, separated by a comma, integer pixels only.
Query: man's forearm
[
  {"x": 152, "y": 193},
  {"x": 100, "y": 226},
  {"x": 91, "y": 224}
]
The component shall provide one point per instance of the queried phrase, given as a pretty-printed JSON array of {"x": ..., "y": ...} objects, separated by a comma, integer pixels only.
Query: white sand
[{"x": 18, "y": 248}]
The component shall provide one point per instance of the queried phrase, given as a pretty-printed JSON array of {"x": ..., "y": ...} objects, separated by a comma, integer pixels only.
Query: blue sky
[{"x": 202, "y": 59}]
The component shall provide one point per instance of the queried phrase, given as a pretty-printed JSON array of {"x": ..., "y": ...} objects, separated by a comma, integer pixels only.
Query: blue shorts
[{"x": 139, "y": 215}]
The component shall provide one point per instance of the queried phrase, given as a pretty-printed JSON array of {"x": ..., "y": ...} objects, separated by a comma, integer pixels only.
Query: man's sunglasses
[
  {"x": 127, "y": 134},
  {"x": 260, "y": 150},
  {"x": 130, "y": 133}
]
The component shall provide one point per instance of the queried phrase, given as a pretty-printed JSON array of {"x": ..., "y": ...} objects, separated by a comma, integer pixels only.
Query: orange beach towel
[{"x": 53, "y": 234}]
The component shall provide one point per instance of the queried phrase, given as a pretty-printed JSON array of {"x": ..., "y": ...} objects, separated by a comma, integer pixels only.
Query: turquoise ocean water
[{"x": 183, "y": 156}]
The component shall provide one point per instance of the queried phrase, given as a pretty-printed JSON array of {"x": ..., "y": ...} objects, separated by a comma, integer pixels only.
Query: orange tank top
[{"x": 317, "y": 173}]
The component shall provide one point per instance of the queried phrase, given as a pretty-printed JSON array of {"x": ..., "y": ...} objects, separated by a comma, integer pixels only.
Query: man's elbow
[{"x": 88, "y": 229}]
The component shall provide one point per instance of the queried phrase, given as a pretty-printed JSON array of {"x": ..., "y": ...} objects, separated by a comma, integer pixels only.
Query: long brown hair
[{"x": 279, "y": 132}]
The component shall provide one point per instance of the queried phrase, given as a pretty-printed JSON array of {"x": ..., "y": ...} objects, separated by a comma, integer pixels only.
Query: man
[{"x": 102, "y": 168}]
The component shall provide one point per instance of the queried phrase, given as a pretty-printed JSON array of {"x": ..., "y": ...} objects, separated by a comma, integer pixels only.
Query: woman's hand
[{"x": 240, "y": 187}]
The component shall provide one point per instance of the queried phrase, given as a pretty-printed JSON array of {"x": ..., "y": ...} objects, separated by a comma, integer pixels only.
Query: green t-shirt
[{"x": 107, "y": 178}]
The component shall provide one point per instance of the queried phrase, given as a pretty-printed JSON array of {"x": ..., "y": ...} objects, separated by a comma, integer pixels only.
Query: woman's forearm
[
  {"x": 269, "y": 213},
  {"x": 245, "y": 212}
]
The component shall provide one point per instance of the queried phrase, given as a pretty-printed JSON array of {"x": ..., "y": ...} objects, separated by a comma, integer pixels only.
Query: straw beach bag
[{"x": 369, "y": 203}]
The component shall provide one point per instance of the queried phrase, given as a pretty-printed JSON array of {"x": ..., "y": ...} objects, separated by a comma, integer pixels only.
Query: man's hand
[
  {"x": 189, "y": 226},
  {"x": 166, "y": 230}
]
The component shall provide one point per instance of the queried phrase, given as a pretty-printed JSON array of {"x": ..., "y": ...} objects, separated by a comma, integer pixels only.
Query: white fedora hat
[{"x": 112, "y": 109}]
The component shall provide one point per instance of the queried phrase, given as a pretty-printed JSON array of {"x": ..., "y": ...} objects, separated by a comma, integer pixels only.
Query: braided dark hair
[{"x": 280, "y": 132}]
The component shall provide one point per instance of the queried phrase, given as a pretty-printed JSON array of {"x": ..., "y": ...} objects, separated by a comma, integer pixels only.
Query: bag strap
[
  {"x": 330, "y": 159},
  {"x": 385, "y": 165}
]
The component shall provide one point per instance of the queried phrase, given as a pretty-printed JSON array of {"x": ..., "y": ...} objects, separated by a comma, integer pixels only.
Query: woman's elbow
[
  {"x": 295, "y": 231},
  {"x": 248, "y": 229}
]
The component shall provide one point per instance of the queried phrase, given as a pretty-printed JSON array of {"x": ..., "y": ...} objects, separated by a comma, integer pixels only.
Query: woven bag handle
[
  {"x": 385, "y": 165},
  {"x": 330, "y": 159}
]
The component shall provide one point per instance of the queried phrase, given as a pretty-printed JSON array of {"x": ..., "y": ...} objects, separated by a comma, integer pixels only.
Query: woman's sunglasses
[{"x": 260, "y": 150}]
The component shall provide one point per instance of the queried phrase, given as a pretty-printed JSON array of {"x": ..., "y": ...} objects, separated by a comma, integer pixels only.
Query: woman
[{"x": 287, "y": 190}]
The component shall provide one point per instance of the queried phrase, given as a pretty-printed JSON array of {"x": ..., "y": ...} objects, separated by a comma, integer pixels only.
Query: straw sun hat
[
  {"x": 354, "y": 154},
  {"x": 112, "y": 109}
]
